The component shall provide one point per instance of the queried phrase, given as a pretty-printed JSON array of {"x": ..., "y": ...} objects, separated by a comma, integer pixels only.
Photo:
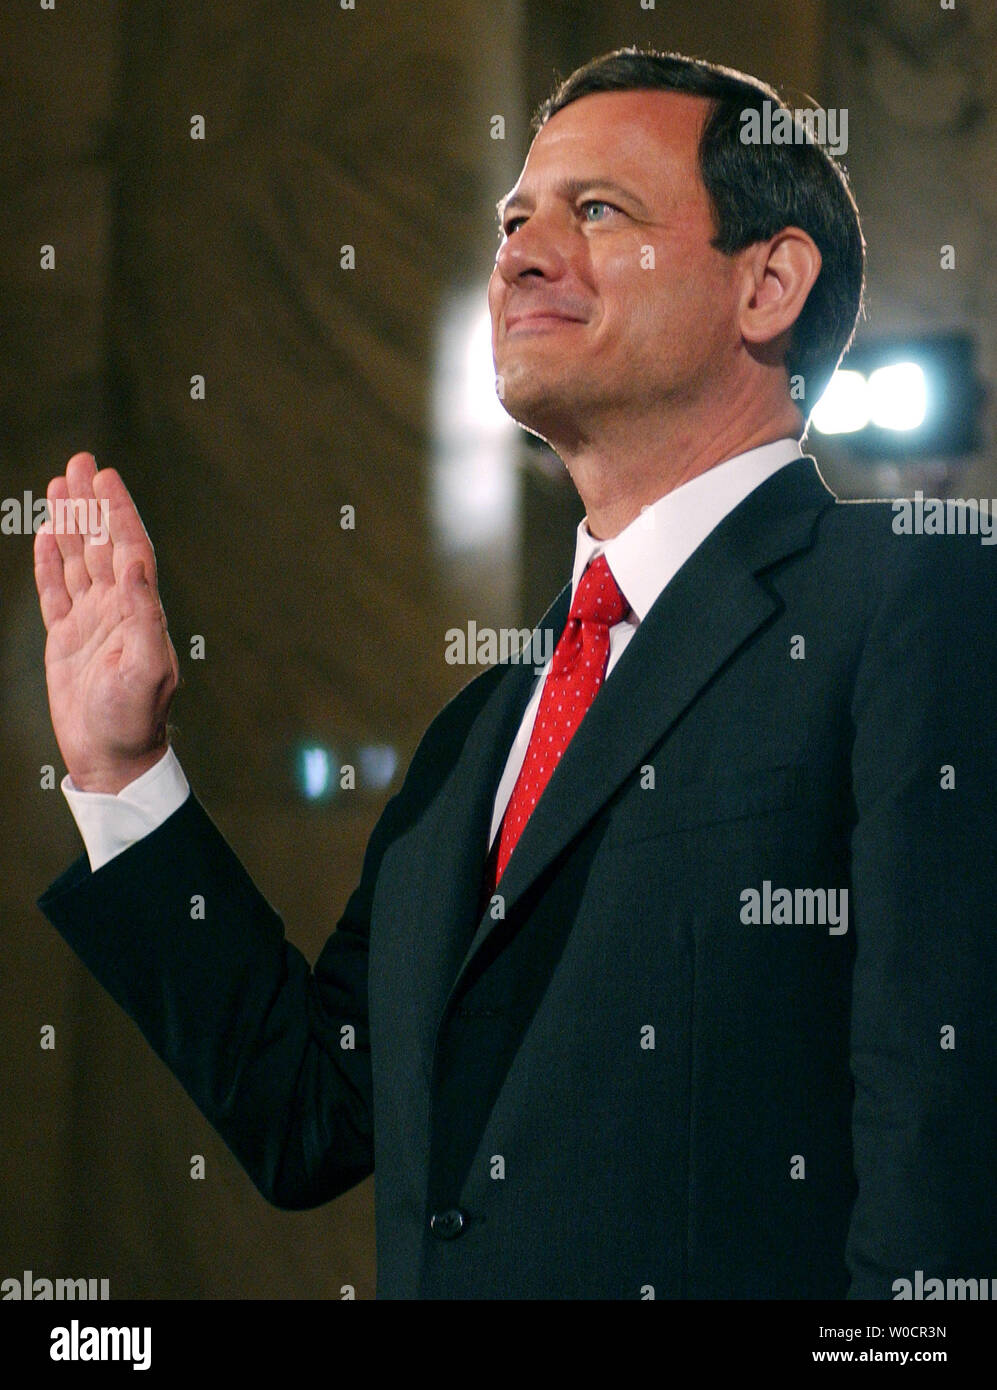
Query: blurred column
[
  {"x": 920, "y": 87},
  {"x": 54, "y": 228}
]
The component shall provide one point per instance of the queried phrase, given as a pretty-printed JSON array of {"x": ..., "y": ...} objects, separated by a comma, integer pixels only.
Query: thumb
[
  {"x": 135, "y": 580},
  {"x": 136, "y": 591}
]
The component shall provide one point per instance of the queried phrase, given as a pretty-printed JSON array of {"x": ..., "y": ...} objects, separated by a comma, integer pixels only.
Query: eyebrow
[{"x": 570, "y": 189}]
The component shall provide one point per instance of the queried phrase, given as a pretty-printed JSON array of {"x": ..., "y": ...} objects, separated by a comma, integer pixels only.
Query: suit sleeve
[
  {"x": 254, "y": 1035},
  {"x": 924, "y": 879}
]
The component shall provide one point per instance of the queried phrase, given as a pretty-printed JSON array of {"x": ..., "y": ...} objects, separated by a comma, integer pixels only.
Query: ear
[{"x": 778, "y": 276}]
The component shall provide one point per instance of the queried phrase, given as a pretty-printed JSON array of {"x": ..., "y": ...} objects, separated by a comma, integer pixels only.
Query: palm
[{"x": 110, "y": 665}]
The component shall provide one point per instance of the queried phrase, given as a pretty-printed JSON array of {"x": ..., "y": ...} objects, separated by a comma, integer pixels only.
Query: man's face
[{"x": 607, "y": 299}]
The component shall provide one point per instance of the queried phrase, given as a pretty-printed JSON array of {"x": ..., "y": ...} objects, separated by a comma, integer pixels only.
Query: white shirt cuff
[{"x": 110, "y": 824}]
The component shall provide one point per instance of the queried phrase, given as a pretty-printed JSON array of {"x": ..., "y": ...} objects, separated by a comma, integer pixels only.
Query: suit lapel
[
  {"x": 486, "y": 749},
  {"x": 703, "y": 616},
  {"x": 458, "y": 856}
]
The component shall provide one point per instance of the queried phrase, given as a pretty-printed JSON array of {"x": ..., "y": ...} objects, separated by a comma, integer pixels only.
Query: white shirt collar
[{"x": 649, "y": 552}]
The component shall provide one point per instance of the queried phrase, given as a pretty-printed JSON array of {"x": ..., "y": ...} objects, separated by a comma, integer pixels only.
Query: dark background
[{"x": 174, "y": 257}]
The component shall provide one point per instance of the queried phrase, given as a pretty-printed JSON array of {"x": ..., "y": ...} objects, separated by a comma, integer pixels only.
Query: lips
[{"x": 540, "y": 318}]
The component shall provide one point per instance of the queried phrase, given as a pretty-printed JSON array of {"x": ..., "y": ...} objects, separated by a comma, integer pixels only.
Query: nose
[{"x": 536, "y": 247}]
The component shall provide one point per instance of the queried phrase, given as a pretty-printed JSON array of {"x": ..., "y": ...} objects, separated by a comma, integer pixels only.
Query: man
[{"x": 668, "y": 973}]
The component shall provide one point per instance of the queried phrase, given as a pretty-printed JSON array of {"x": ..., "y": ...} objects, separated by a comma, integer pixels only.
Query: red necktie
[{"x": 577, "y": 670}]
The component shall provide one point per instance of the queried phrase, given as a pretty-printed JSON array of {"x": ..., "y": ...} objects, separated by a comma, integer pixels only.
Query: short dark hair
[{"x": 755, "y": 190}]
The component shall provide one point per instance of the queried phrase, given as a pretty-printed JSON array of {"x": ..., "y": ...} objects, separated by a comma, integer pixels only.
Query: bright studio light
[
  {"x": 473, "y": 490},
  {"x": 893, "y": 397},
  {"x": 377, "y": 764},
  {"x": 898, "y": 397},
  {"x": 844, "y": 406},
  {"x": 314, "y": 772}
]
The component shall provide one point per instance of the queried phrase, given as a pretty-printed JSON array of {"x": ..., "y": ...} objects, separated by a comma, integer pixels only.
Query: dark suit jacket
[{"x": 797, "y": 1129}]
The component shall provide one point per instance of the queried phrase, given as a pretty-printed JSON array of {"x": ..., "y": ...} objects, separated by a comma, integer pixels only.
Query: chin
[
  {"x": 531, "y": 400},
  {"x": 534, "y": 412}
]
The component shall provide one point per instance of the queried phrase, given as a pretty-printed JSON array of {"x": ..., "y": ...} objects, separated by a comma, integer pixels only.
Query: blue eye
[{"x": 597, "y": 203}]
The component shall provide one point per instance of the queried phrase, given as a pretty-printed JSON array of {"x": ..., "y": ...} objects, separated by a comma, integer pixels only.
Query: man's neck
[{"x": 616, "y": 480}]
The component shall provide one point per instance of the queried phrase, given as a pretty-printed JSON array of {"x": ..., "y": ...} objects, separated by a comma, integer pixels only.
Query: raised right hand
[{"x": 110, "y": 666}]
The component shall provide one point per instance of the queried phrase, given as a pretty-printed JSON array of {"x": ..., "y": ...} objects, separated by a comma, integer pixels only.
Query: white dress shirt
[{"x": 643, "y": 558}]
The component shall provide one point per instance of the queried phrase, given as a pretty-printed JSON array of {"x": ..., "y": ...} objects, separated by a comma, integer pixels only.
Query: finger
[
  {"x": 129, "y": 538},
  {"x": 80, "y": 472},
  {"x": 52, "y": 592},
  {"x": 68, "y": 539}
]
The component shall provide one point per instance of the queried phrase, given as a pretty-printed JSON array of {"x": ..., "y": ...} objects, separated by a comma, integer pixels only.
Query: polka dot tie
[{"x": 577, "y": 670}]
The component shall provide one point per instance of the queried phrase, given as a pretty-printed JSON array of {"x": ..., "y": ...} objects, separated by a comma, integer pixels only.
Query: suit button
[{"x": 447, "y": 1225}]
